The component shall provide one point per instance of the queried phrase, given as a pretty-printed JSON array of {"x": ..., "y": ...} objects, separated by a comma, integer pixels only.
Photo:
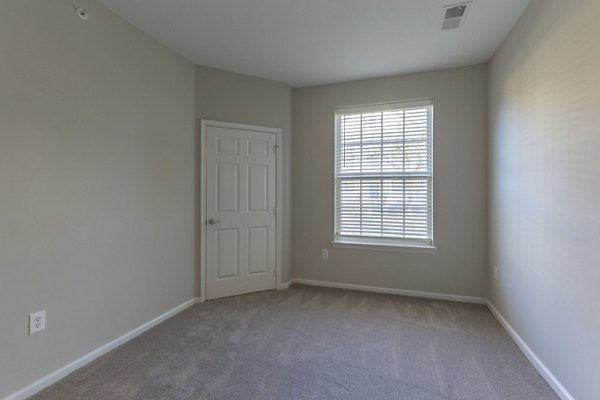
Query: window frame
[{"x": 374, "y": 243}]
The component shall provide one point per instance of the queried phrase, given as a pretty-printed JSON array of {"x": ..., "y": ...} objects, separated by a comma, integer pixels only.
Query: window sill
[{"x": 382, "y": 246}]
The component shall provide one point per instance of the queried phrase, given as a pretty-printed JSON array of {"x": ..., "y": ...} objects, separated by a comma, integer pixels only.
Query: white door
[{"x": 241, "y": 201}]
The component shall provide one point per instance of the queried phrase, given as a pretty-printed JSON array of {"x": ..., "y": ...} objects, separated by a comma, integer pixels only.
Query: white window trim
[
  {"x": 381, "y": 244},
  {"x": 377, "y": 107}
]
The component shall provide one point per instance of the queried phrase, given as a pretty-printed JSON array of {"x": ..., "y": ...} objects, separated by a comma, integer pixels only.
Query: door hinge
[{"x": 275, "y": 212}]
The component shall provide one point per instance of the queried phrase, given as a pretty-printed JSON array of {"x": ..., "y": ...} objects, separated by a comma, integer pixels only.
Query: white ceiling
[{"x": 310, "y": 42}]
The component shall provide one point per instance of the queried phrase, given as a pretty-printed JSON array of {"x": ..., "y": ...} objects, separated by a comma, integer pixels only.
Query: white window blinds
[{"x": 384, "y": 173}]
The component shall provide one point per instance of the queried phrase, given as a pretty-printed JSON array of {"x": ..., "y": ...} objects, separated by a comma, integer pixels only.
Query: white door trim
[{"x": 204, "y": 124}]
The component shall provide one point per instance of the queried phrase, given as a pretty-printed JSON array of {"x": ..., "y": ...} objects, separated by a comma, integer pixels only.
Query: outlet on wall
[
  {"x": 37, "y": 322},
  {"x": 495, "y": 272},
  {"x": 324, "y": 254}
]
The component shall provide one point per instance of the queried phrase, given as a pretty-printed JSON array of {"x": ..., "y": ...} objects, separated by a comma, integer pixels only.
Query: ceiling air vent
[{"x": 454, "y": 16}]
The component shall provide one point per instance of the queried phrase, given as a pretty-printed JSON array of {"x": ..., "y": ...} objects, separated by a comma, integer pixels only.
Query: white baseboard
[
  {"x": 286, "y": 285},
  {"x": 401, "y": 292},
  {"x": 560, "y": 390},
  {"x": 62, "y": 372}
]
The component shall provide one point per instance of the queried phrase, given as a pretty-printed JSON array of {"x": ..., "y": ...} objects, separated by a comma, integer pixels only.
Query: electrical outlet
[
  {"x": 495, "y": 272},
  {"x": 37, "y": 322},
  {"x": 324, "y": 254}
]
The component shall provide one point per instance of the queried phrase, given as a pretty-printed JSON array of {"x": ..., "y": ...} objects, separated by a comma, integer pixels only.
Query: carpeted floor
[{"x": 314, "y": 343}]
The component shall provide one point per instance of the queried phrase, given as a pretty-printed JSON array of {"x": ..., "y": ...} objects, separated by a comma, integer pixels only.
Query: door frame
[{"x": 204, "y": 125}]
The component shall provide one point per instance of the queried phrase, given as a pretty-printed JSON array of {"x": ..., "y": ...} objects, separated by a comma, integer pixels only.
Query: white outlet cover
[
  {"x": 324, "y": 254},
  {"x": 37, "y": 322}
]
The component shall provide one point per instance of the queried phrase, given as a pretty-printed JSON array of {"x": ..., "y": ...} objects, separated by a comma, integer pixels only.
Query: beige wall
[
  {"x": 459, "y": 266},
  {"x": 97, "y": 183},
  {"x": 545, "y": 187},
  {"x": 230, "y": 97}
]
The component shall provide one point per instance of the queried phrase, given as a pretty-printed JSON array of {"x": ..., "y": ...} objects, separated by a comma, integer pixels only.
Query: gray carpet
[{"x": 314, "y": 343}]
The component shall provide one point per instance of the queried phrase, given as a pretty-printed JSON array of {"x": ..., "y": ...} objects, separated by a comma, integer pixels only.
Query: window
[{"x": 383, "y": 181}]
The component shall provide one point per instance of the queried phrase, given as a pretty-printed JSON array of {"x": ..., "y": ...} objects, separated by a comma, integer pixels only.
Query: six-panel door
[{"x": 240, "y": 211}]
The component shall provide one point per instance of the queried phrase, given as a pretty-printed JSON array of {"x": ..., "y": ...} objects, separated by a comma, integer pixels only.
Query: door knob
[{"x": 213, "y": 221}]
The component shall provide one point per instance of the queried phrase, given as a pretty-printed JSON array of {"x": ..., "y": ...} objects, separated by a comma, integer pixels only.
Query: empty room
[{"x": 299, "y": 199}]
